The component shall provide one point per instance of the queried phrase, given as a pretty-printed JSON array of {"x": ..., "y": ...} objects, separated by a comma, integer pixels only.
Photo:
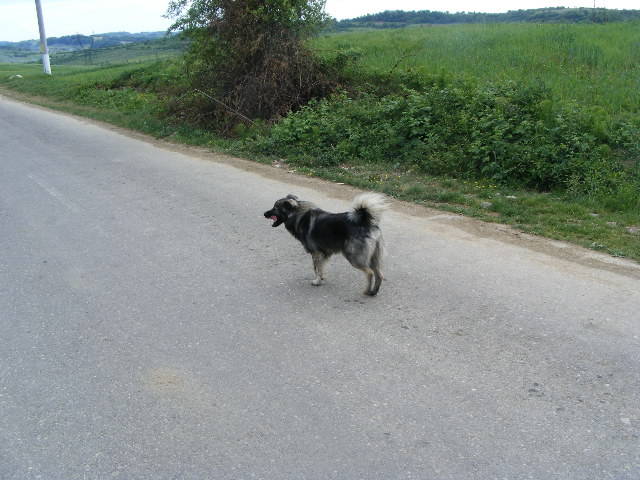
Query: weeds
[{"x": 500, "y": 133}]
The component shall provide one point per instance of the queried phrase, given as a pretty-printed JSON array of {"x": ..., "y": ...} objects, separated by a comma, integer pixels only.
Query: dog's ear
[{"x": 292, "y": 202}]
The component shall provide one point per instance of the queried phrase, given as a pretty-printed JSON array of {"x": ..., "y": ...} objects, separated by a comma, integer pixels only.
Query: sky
[{"x": 68, "y": 17}]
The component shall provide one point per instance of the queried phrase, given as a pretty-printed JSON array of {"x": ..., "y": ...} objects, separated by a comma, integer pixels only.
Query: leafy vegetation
[
  {"x": 502, "y": 133},
  {"x": 548, "y": 107}
]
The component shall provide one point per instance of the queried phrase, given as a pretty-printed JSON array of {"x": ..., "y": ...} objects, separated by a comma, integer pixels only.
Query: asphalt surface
[{"x": 154, "y": 326}]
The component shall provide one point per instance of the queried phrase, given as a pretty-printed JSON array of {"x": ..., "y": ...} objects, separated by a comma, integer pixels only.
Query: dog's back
[{"x": 328, "y": 232}]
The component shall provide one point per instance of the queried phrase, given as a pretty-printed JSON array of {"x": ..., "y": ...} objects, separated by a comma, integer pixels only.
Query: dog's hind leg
[
  {"x": 375, "y": 264},
  {"x": 370, "y": 281},
  {"x": 369, "y": 272},
  {"x": 360, "y": 257},
  {"x": 319, "y": 260},
  {"x": 375, "y": 285}
]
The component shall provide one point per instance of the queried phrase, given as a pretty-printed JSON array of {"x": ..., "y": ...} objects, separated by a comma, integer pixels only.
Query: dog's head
[{"x": 282, "y": 209}]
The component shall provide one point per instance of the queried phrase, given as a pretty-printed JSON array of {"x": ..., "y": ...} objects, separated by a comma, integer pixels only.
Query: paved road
[{"x": 154, "y": 326}]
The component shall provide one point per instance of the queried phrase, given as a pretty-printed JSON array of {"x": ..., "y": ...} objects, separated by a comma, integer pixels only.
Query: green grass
[
  {"x": 84, "y": 91},
  {"x": 17, "y": 55},
  {"x": 595, "y": 65}
]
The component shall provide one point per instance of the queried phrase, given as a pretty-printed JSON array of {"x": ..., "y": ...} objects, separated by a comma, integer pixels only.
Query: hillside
[
  {"x": 28, "y": 50},
  {"x": 399, "y": 18},
  {"x": 75, "y": 42},
  {"x": 13, "y": 54},
  {"x": 156, "y": 49}
]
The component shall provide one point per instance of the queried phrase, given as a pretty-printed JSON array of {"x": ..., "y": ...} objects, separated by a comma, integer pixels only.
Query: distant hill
[
  {"x": 28, "y": 50},
  {"x": 154, "y": 49},
  {"x": 77, "y": 42},
  {"x": 399, "y": 18}
]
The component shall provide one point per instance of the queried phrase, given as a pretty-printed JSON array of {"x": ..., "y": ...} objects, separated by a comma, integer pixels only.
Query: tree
[{"x": 251, "y": 55}]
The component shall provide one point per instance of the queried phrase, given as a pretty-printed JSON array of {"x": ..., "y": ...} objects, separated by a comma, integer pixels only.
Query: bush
[
  {"x": 249, "y": 57},
  {"x": 505, "y": 132}
]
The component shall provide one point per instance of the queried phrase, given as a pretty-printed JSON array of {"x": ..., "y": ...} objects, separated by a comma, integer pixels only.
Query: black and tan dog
[{"x": 356, "y": 233}]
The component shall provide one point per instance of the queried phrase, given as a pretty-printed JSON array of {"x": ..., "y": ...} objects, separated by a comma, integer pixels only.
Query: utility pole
[{"x": 44, "y": 50}]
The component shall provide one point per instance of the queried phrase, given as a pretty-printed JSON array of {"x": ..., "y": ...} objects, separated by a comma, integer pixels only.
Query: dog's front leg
[{"x": 318, "y": 267}]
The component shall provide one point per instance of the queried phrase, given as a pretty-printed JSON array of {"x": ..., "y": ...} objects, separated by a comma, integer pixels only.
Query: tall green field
[{"x": 595, "y": 65}]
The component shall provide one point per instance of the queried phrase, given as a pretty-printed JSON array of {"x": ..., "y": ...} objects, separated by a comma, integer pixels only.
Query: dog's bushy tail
[{"x": 368, "y": 208}]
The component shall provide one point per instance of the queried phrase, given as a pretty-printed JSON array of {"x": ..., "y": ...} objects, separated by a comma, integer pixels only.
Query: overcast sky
[{"x": 67, "y": 17}]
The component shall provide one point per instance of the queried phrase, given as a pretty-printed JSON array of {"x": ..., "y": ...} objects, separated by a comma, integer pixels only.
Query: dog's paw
[{"x": 316, "y": 282}]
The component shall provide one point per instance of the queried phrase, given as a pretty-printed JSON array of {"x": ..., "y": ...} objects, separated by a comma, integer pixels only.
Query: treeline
[
  {"x": 399, "y": 18},
  {"x": 105, "y": 39}
]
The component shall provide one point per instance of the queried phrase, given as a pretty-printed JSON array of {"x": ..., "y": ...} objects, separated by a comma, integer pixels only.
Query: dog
[{"x": 356, "y": 233}]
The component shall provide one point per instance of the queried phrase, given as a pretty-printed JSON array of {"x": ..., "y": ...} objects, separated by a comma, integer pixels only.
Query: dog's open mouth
[
  {"x": 276, "y": 220},
  {"x": 274, "y": 217}
]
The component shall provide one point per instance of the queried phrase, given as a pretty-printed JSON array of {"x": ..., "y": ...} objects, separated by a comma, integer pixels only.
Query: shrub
[
  {"x": 249, "y": 57},
  {"x": 506, "y": 133}
]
